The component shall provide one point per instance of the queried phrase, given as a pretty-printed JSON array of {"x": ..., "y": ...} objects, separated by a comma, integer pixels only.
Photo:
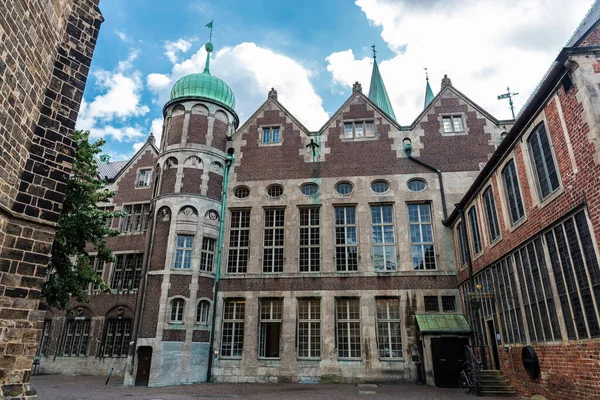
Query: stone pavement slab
[{"x": 56, "y": 387}]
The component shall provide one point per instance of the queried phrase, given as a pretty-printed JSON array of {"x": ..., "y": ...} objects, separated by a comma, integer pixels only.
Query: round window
[
  {"x": 416, "y": 185},
  {"x": 241, "y": 192},
  {"x": 380, "y": 186},
  {"x": 344, "y": 188},
  {"x": 275, "y": 191},
  {"x": 530, "y": 362},
  {"x": 309, "y": 189}
]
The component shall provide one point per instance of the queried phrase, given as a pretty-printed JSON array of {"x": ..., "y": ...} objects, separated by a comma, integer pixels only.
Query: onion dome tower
[{"x": 175, "y": 322}]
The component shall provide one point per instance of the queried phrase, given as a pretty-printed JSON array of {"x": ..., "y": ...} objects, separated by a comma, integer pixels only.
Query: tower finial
[
  {"x": 374, "y": 51},
  {"x": 426, "y": 74},
  {"x": 209, "y": 48},
  {"x": 428, "y": 92}
]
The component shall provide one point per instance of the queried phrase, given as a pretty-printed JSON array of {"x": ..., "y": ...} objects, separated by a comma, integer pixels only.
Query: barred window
[
  {"x": 76, "y": 338},
  {"x": 347, "y": 314},
  {"x": 269, "y": 328},
  {"x": 389, "y": 328},
  {"x": 232, "y": 337},
  {"x": 116, "y": 338},
  {"x": 474, "y": 225},
  {"x": 462, "y": 243},
  {"x": 513, "y": 192},
  {"x": 310, "y": 240},
  {"x": 346, "y": 252},
  {"x": 490, "y": 214},
  {"x": 207, "y": 254},
  {"x": 448, "y": 303},
  {"x": 136, "y": 219},
  {"x": 127, "y": 272},
  {"x": 421, "y": 236},
  {"x": 543, "y": 162},
  {"x": 183, "y": 251},
  {"x": 239, "y": 240},
  {"x": 309, "y": 328},
  {"x": 273, "y": 240},
  {"x": 202, "y": 312},
  {"x": 45, "y": 338},
  {"x": 432, "y": 303},
  {"x": 384, "y": 244}
]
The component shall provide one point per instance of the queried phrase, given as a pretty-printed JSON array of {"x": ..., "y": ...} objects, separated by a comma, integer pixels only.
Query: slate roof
[
  {"x": 110, "y": 170},
  {"x": 590, "y": 19}
]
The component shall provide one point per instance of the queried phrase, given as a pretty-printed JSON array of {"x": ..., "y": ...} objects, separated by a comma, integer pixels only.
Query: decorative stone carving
[{"x": 188, "y": 211}]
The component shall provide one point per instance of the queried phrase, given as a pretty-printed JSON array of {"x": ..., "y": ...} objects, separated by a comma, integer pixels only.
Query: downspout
[{"x": 211, "y": 353}]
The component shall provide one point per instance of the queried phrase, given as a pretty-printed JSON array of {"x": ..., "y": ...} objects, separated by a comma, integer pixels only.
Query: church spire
[
  {"x": 428, "y": 92},
  {"x": 377, "y": 92}
]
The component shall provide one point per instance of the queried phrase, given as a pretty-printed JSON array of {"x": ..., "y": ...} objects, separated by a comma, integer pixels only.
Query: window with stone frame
[
  {"x": 232, "y": 333},
  {"x": 474, "y": 226},
  {"x": 274, "y": 230},
  {"x": 116, "y": 337},
  {"x": 98, "y": 266},
  {"x": 203, "y": 312},
  {"x": 309, "y": 259},
  {"x": 462, "y": 243},
  {"x": 183, "y": 252},
  {"x": 144, "y": 177},
  {"x": 309, "y": 328},
  {"x": 109, "y": 221},
  {"x": 421, "y": 236},
  {"x": 136, "y": 219},
  {"x": 126, "y": 272},
  {"x": 207, "y": 254},
  {"x": 269, "y": 328},
  {"x": 453, "y": 124},
  {"x": 177, "y": 310},
  {"x": 432, "y": 303},
  {"x": 513, "y": 192},
  {"x": 389, "y": 327},
  {"x": 76, "y": 337},
  {"x": 542, "y": 157},
  {"x": 347, "y": 316},
  {"x": 239, "y": 242},
  {"x": 384, "y": 243},
  {"x": 271, "y": 134},
  {"x": 448, "y": 303},
  {"x": 359, "y": 129},
  {"x": 45, "y": 338},
  {"x": 346, "y": 251},
  {"x": 491, "y": 215}
]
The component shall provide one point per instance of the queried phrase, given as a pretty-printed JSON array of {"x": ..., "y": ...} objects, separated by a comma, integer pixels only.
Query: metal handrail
[{"x": 471, "y": 359}]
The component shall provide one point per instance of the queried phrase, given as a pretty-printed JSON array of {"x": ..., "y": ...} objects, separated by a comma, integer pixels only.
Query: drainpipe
[
  {"x": 408, "y": 152},
  {"x": 211, "y": 353}
]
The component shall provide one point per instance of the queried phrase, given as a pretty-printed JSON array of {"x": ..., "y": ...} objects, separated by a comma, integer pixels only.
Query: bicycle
[{"x": 468, "y": 381}]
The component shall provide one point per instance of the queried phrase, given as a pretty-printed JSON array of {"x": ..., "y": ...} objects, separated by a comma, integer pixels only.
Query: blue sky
[{"x": 312, "y": 52}]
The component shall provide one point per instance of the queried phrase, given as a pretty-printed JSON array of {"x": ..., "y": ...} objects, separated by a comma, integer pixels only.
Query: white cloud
[
  {"x": 251, "y": 71},
  {"x": 156, "y": 128},
  {"x": 468, "y": 40},
  {"x": 172, "y": 49},
  {"x": 137, "y": 146},
  {"x": 123, "y": 36}
]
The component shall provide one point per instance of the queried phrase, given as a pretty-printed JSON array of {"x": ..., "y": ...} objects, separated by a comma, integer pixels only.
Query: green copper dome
[{"x": 204, "y": 86}]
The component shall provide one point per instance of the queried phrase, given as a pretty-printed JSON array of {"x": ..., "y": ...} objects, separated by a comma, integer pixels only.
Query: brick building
[
  {"x": 45, "y": 56},
  {"x": 527, "y": 233}
]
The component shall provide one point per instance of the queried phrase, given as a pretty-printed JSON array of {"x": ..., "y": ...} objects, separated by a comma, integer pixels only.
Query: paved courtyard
[{"x": 55, "y": 387}]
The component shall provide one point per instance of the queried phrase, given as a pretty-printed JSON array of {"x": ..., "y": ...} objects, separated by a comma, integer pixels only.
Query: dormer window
[
  {"x": 143, "y": 178},
  {"x": 271, "y": 135},
  {"x": 453, "y": 124},
  {"x": 359, "y": 129}
]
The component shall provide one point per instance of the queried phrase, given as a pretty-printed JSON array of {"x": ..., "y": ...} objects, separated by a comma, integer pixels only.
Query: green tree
[{"x": 81, "y": 224}]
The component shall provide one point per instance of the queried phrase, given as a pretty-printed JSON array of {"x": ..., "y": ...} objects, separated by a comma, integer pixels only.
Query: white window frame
[
  {"x": 347, "y": 266},
  {"x": 144, "y": 178},
  {"x": 391, "y": 325},
  {"x": 203, "y": 312},
  {"x": 346, "y": 326},
  {"x": 364, "y": 133},
  {"x": 264, "y": 140},
  {"x": 186, "y": 252},
  {"x": 233, "y": 324},
  {"x": 270, "y": 311},
  {"x": 207, "y": 254},
  {"x": 276, "y": 245},
  {"x": 383, "y": 244},
  {"x": 309, "y": 325},
  {"x": 178, "y": 309},
  {"x": 422, "y": 244},
  {"x": 452, "y": 118}
]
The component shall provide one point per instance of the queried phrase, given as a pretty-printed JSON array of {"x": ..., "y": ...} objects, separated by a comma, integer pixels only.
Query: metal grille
[
  {"x": 384, "y": 246},
  {"x": 431, "y": 303},
  {"x": 310, "y": 240},
  {"x": 421, "y": 236},
  {"x": 389, "y": 328},
  {"x": 232, "y": 338},
  {"x": 449, "y": 303},
  {"x": 116, "y": 338},
  {"x": 273, "y": 241},
  {"x": 309, "y": 328},
  {"x": 346, "y": 256},
  {"x": 347, "y": 313},
  {"x": 239, "y": 240}
]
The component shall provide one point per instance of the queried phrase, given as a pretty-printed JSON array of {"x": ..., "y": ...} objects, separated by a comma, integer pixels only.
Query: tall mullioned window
[
  {"x": 310, "y": 240},
  {"x": 421, "y": 236},
  {"x": 232, "y": 337},
  {"x": 309, "y": 328},
  {"x": 347, "y": 314},
  {"x": 99, "y": 269},
  {"x": 384, "y": 244},
  {"x": 346, "y": 252},
  {"x": 207, "y": 254},
  {"x": 126, "y": 272},
  {"x": 116, "y": 338},
  {"x": 239, "y": 241},
  {"x": 183, "y": 251},
  {"x": 474, "y": 225},
  {"x": 462, "y": 243},
  {"x": 389, "y": 328},
  {"x": 490, "y": 214},
  {"x": 45, "y": 338},
  {"x": 136, "y": 220},
  {"x": 543, "y": 161},
  {"x": 269, "y": 328},
  {"x": 76, "y": 338},
  {"x": 273, "y": 240},
  {"x": 513, "y": 192}
]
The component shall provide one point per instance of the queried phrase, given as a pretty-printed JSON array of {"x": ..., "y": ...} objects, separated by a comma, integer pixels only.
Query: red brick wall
[
  {"x": 175, "y": 129},
  {"x": 127, "y": 191},
  {"x": 169, "y": 178},
  {"x": 159, "y": 246},
  {"x": 219, "y": 135},
  {"x": 179, "y": 285},
  {"x": 151, "y": 306},
  {"x": 205, "y": 287},
  {"x": 215, "y": 182},
  {"x": 192, "y": 180},
  {"x": 593, "y": 39},
  {"x": 198, "y": 129}
]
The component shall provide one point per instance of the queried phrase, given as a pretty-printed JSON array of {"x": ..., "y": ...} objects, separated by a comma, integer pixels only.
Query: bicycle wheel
[{"x": 463, "y": 382}]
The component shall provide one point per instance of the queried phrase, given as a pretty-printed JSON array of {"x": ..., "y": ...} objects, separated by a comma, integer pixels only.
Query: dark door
[
  {"x": 144, "y": 363},
  {"x": 493, "y": 344},
  {"x": 447, "y": 354}
]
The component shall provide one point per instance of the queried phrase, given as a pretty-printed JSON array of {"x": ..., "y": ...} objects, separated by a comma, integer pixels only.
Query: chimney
[
  {"x": 357, "y": 87},
  {"x": 273, "y": 94},
  {"x": 105, "y": 158}
]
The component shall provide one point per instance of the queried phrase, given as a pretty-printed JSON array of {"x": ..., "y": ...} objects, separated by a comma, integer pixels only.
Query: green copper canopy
[
  {"x": 377, "y": 92},
  {"x": 442, "y": 323},
  {"x": 428, "y": 94}
]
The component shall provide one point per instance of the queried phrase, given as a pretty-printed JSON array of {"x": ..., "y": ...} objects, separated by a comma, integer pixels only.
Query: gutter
[{"x": 229, "y": 160}]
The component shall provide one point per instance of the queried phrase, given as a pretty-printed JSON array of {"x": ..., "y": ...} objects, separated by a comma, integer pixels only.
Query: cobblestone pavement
[{"x": 55, "y": 387}]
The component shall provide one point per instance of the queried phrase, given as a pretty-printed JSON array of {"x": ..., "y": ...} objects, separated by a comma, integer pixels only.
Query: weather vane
[
  {"x": 374, "y": 52},
  {"x": 508, "y": 95},
  {"x": 426, "y": 74},
  {"x": 209, "y": 25}
]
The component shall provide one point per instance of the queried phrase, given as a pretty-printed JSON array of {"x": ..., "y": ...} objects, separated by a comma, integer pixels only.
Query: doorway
[
  {"x": 447, "y": 355},
  {"x": 493, "y": 341},
  {"x": 142, "y": 376}
]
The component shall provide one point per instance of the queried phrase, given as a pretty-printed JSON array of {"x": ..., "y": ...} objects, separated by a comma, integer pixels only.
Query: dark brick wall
[
  {"x": 198, "y": 129},
  {"x": 127, "y": 191},
  {"x": 151, "y": 306},
  {"x": 160, "y": 240},
  {"x": 219, "y": 135},
  {"x": 215, "y": 184},
  {"x": 205, "y": 287},
  {"x": 173, "y": 335},
  {"x": 192, "y": 180},
  {"x": 168, "y": 180},
  {"x": 175, "y": 129},
  {"x": 179, "y": 285}
]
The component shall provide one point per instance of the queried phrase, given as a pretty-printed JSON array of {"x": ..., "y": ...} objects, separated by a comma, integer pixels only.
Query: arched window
[
  {"x": 202, "y": 312},
  {"x": 177, "y": 307}
]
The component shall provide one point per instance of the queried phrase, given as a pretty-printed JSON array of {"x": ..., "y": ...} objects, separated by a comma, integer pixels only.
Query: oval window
[
  {"x": 380, "y": 186},
  {"x": 309, "y": 189},
  {"x": 275, "y": 191},
  {"x": 416, "y": 185},
  {"x": 344, "y": 188},
  {"x": 241, "y": 192}
]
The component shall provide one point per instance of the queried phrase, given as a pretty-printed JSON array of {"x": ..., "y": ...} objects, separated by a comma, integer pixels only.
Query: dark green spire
[
  {"x": 377, "y": 92},
  {"x": 428, "y": 92}
]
